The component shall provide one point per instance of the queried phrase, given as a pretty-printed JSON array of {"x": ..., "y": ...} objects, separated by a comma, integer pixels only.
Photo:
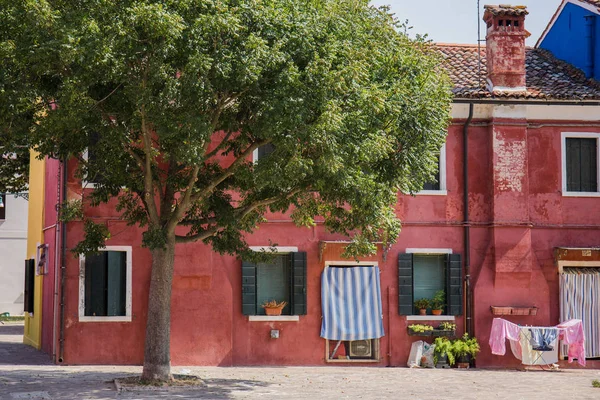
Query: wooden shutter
[
  {"x": 248, "y": 288},
  {"x": 454, "y": 285},
  {"x": 115, "y": 283},
  {"x": 95, "y": 284},
  {"x": 582, "y": 165},
  {"x": 29, "y": 285},
  {"x": 298, "y": 289},
  {"x": 405, "y": 284}
]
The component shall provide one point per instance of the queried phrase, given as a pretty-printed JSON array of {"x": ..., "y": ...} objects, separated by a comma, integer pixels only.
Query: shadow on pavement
[
  {"x": 68, "y": 384},
  {"x": 11, "y": 329}
]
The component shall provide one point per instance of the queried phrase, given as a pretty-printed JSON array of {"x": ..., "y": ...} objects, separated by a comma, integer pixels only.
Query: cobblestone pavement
[{"x": 28, "y": 374}]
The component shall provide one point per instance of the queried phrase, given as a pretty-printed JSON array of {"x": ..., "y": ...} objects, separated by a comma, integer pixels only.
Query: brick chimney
[{"x": 505, "y": 47}]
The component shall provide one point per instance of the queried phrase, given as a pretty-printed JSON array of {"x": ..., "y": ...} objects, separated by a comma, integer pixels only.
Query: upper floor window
[
  {"x": 94, "y": 176},
  {"x": 263, "y": 151},
  {"x": 438, "y": 185},
  {"x": 580, "y": 154}
]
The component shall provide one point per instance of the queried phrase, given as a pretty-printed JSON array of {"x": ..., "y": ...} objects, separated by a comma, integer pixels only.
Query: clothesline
[{"x": 570, "y": 332}]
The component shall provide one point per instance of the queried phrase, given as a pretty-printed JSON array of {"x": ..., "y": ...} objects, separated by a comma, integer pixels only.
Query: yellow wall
[{"x": 35, "y": 236}]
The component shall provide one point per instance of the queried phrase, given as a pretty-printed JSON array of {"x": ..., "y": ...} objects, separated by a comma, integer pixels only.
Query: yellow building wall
[{"x": 35, "y": 236}]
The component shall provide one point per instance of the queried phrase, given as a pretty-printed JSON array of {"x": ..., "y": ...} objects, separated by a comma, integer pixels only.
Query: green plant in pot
[
  {"x": 420, "y": 330},
  {"x": 465, "y": 349},
  {"x": 444, "y": 352},
  {"x": 438, "y": 302},
  {"x": 422, "y": 305}
]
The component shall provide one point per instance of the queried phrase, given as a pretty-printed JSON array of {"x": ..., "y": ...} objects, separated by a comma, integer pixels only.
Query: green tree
[{"x": 180, "y": 94}]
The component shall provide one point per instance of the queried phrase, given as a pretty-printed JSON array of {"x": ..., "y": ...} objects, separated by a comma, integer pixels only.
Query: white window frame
[
  {"x": 563, "y": 152},
  {"x": 274, "y": 318},
  {"x": 429, "y": 251},
  {"x": 128, "y": 291},
  {"x": 442, "y": 191}
]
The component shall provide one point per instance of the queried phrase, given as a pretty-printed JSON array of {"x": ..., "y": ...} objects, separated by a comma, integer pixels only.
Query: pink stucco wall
[{"x": 513, "y": 234}]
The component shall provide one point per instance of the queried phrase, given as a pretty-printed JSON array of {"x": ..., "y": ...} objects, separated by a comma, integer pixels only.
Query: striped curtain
[
  {"x": 351, "y": 302},
  {"x": 580, "y": 299}
]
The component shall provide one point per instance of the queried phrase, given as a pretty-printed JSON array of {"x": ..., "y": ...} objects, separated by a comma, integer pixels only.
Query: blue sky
[{"x": 455, "y": 21}]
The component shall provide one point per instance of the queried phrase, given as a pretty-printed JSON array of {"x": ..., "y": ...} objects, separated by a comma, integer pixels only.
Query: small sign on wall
[
  {"x": 586, "y": 253},
  {"x": 42, "y": 260}
]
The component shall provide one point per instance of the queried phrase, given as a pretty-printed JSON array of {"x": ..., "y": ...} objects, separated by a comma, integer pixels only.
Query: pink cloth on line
[
  {"x": 573, "y": 335},
  {"x": 502, "y": 330}
]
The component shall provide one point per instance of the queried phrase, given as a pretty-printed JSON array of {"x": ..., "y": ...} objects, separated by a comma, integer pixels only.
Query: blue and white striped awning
[{"x": 351, "y": 302}]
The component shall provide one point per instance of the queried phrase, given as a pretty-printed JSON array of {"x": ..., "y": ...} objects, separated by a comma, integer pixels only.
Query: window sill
[
  {"x": 351, "y": 361},
  {"x": 124, "y": 318},
  {"x": 430, "y": 318},
  {"x": 432, "y": 193},
  {"x": 581, "y": 194},
  {"x": 273, "y": 318}
]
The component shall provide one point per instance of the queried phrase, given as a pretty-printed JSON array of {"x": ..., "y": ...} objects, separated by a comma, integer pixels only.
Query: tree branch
[{"x": 148, "y": 180}]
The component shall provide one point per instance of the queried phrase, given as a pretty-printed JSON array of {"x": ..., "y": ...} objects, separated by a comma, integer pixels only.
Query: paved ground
[{"x": 28, "y": 374}]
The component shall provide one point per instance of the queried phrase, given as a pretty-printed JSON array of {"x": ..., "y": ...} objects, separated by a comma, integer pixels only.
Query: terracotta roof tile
[
  {"x": 505, "y": 9},
  {"x": 547, "y": 77}
]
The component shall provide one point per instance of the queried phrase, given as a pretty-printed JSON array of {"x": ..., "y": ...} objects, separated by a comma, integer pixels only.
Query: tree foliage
[{"x": 181, "y": 93}]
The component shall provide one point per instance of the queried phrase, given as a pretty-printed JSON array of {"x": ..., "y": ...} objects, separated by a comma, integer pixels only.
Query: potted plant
[
  {"x": 443, "y": 354},
  {"x": 273, "y": 307},
  {"x": 422, "y": 305},
  {"x": 465, "y": 349},
  {"x": 438, "y": 302},
  {"x": 420, "y": 330},
  {"x": 445, "y": 329}
]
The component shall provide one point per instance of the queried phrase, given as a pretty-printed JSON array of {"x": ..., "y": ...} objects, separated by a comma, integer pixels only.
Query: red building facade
[{"x": 510, "y": 136}]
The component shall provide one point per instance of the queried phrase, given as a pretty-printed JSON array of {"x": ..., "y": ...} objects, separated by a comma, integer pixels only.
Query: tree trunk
[{"x": 157, "y": 352}]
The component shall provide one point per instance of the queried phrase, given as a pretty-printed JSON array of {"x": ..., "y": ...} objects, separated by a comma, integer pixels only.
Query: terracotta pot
[
  {"x": 436, "y": 312},
  {"x": 423, "y": 311},
  {"x": 273, "y": 310}
]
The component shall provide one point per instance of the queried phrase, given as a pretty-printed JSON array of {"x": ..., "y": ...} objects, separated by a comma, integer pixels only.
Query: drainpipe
[
  {"x": 590, "y": 38},
  {"x": 57, "y": 233},
  {"x": 467, "y": 232},
  {"x": 63, "y": 268}
]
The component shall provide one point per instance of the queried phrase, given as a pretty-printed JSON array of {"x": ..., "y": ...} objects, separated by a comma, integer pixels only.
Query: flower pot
[
  {"x": 423, "y": 311},
  {"x": 273, "y": 310},
  {"x": 436, "y": 312},
  {"x": 463, "y": 361},
  {"x": 442, "y": 361}
]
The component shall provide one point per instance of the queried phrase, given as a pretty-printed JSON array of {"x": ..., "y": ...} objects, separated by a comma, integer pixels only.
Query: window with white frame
[
  {"x": 105, "y": 285},
  {"x": 263, "y": 151},
  {"x": 438, "y": 185},
  {"x": 90, "y": 155},
  {"x": 580, "y": 167}
]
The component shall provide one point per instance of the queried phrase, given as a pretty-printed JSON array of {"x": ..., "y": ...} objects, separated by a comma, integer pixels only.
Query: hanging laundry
[
  {"x": 541, "y": 338},
  {"x": 529, "y": 356}
]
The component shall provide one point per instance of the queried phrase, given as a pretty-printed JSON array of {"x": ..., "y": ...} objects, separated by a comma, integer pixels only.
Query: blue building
[{"x": 572, "y": 34}]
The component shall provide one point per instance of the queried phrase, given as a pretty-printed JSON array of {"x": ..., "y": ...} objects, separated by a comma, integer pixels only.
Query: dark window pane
[
  {"x": 582, "y": 165},
  {"x": 429, "y": 275},
  {"x": 436, "y": 184},
  {"x": 273, "y": 283},
  {"x": 105, "y": 284},
  {"x": 265, "y": 150},
  {"x": 95, "y": 284},
  {"x": 116, "y": 277},
  {"x": 95, "y": 165}
]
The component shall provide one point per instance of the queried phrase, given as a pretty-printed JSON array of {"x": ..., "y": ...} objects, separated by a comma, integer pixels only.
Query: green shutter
[
  {"x": 582, "y": 165},
  {"x": 405, "y": 284},
  {"x": 454, "y": 285},
  {"x": 298, "y": 292},
  {"x": 115, "y": 283},
  {"x": 248, "y": 288},
  {"x": 29, "y": 285},
  {"x": 95, "y": 284}
]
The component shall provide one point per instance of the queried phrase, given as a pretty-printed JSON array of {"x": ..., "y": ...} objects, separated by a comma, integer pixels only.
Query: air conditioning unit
[{"x": 361, "y": 348}]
